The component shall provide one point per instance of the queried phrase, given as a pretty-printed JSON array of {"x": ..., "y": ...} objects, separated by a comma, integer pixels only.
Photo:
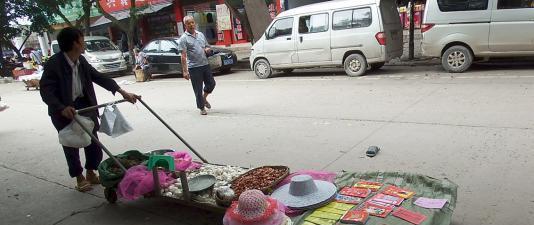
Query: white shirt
[{"x": 77, "y": 90}]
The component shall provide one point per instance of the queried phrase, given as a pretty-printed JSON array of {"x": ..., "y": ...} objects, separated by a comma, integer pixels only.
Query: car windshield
[
  {"x": 99, "y": 46},
  {"x": 55, "y": 48}
]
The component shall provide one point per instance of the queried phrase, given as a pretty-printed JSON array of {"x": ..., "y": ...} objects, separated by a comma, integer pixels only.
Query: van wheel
[
  {"x": 376, "y": 66},
  {"x": 355, "y": 65},
  {"x": 457, "y": 59},
  {"x": 263, "y": 69}
]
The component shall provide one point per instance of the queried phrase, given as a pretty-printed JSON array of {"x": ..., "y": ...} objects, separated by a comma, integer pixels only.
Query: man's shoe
[
  {"x": 203, "y": 112},
  {"x": 93, "y": 178},
  {"x": 82, "y": 185},
  {"x": 207, "y": 104}
]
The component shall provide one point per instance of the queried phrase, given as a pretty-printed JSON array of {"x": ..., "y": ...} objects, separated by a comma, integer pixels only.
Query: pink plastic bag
[
  {"x": 139, "y": 181},
  {"x": 183, "y": 161}
]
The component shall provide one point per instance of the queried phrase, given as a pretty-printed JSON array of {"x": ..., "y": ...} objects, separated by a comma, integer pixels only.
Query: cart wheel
[{"x": 111, "y": 195}]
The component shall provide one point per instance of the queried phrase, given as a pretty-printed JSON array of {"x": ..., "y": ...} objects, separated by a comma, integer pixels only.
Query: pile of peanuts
[{"x": 259, "y": 178}]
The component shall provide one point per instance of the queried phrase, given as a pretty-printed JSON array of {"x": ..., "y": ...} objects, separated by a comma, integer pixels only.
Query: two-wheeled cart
[{"x": 110, "y": 186}]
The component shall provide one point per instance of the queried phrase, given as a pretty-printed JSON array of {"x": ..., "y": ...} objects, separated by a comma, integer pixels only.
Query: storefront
[
  {"x": 216, "y": 21},
  {"x": 213, "y": 19},
  {"x": 163, "y": 18}
]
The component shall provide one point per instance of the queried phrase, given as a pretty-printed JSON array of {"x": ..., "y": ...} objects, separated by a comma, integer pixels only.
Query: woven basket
[{"x": 269, "y": 189}]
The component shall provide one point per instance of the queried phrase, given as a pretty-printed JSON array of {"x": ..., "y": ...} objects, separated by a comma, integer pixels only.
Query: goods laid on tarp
[{"x": 391, "y": 198}]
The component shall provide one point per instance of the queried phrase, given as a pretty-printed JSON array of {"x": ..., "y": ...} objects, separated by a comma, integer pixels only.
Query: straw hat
[
  {"x": 305, "y": 193},
  {"x": 253, "y": 207}
]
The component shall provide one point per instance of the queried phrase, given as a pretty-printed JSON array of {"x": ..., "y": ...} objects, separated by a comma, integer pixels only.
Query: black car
[{"x": 165, "y": 58}]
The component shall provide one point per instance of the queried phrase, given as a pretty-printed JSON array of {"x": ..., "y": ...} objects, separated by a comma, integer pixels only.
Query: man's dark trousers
[
  {"x": 201, "y": 76},
  {"x": 93, "y": 152}
]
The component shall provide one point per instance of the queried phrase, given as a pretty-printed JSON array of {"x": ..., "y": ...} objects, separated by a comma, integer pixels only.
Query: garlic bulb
[{"x": 223, "y": 174}]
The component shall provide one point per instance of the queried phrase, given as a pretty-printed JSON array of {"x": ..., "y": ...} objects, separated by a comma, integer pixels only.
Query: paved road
[{"x": 474, "y": 128}]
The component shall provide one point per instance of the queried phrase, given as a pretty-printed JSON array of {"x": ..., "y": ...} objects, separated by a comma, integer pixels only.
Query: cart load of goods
[{"x": 229, "y": 182}]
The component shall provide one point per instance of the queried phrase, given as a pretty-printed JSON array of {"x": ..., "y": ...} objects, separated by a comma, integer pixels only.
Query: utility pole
[{"x": 411, "y": 5}]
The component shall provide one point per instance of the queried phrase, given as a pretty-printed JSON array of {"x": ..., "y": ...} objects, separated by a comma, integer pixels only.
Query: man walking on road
[
  {"x": 195, "y": 63},
  {"x": 67, "y": 85}
]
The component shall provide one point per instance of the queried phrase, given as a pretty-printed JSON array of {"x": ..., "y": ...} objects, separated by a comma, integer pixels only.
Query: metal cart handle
[{"x": 94, "y": 138}]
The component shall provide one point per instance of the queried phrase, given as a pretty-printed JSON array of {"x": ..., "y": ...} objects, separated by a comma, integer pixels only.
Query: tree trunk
[
  {"x": 411, "y": 44},
  {"x": 14, "y": 48},
  {"x": 260, "y": 17},
  {"x": 4, "y": 72},
  {"x": 3, "y": 24},
  {"x": 87, "y": 16},
  {"x": 24, "y": 42}
]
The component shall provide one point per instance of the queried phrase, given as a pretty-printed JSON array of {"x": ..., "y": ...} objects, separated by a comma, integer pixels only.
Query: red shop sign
[{"x": 118, "y": 5}]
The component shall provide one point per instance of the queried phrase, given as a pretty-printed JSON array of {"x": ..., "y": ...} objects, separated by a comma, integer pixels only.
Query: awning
[{"x": 126, "y": 13}]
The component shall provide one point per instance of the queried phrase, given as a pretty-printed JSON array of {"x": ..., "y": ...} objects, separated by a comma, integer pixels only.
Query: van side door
[
  {"x": 279, "y": 45},
  {"x": 355, "y": 29},
  {"x": 313, "y": 39},
  {"x": 512, "y": 26}
]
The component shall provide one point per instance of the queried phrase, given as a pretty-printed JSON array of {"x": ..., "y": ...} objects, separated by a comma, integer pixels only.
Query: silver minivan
[
  {"x": 357, "y": 35},
  {"x": 102, "y": 54},
  {"x": 462, "y": 31}
]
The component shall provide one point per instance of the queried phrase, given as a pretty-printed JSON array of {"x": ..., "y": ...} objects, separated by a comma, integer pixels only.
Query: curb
[{"x": 244, "y": 65}]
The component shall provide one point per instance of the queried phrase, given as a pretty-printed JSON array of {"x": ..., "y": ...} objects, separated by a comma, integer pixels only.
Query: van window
[
  {"x": 354, "y": 18},
  {"x": 515, "y": 4},
  {"x": 462, "y": 5},
  {"x": 281, "y": 27},
  {"x": 313, "y": 24}
]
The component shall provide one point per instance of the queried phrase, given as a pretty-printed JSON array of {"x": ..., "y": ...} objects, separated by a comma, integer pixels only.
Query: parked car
[
  {"x": 353, "y": 34},
  {"x": 461, "y": 33},
  {"x": 164, "y": 57},
  {"x": 102, "y": 54}
]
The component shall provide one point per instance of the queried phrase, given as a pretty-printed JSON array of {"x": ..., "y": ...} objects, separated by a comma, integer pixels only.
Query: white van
[
  {"x": 101, "y": 53},
  {"x": 353, "y": 34},
  {"x": 461, "y": 32}
]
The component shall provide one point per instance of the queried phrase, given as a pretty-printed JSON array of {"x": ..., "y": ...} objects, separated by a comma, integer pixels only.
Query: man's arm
[
  {"x": 183, "y": 58},
  {"x": 185, "y": 70},
  {"x": 49, "y": 89}
]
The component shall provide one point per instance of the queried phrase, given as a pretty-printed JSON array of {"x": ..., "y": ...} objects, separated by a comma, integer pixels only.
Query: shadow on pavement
[{"x": 334, "y": 72}]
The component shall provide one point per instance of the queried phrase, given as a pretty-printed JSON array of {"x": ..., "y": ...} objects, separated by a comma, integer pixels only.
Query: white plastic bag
[
  {"x": 113, "y": 123},
  {"x": 74, "y": 136}
]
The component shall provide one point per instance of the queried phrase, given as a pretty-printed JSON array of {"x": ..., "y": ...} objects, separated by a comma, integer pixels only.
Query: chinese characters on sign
[{"x": 119, "y": 5}]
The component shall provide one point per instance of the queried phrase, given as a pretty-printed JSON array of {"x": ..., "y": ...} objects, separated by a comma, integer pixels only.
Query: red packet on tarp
[
  {"x": 377, "y": 210},
  {"x": 388, "y": 199},
  {"x": 412, "y": 217},
  {"x": 397, "y": 191},
  {"x": 374, "y": 186},
  {"x": 348, "y": 199},
  {"x": 355, "y": 217},
  {"x": 355, "y": 192}
]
